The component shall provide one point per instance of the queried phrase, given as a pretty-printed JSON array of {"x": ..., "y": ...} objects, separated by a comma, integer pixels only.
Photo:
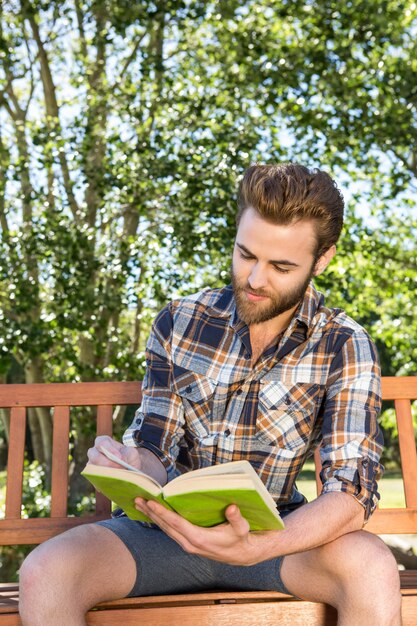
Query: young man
[{"x": 260, "y": 370}]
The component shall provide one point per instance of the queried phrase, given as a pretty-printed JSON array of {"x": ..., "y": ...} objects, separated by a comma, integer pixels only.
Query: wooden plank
[
  {"x": 104, "y": 427},
  {"x": 70, "y": 394},
  {"x": 59, "y": 488},
  {"x": 196, "y": 598},
  {"x": 400, "y": 387},
  {"x": 409, "y": 609},
  {"x": 15, "y": 462},
  {"x": 105, "y": 420},
  {"x": 37, "y": 529},
  {"x": 10, "y": 620},
  {"x": 407, "y": 450},
  {"x": 285, "y": 613},
  {"x": 228, "y": 607},
  {"x": 393, "y": 521}
]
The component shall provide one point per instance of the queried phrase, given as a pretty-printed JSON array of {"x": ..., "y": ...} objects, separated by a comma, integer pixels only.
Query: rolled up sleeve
[
  {"x": 158, "y": 424},
  {"x": 352, "y": 441}
]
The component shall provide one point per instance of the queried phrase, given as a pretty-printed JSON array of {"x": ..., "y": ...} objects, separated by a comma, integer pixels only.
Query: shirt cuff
[{"x": 357, "y": 477}]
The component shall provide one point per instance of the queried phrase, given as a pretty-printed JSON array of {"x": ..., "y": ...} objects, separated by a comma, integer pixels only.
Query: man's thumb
[{"x": 235, "y": 519}]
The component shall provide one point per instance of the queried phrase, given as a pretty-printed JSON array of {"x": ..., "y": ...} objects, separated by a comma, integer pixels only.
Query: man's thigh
[
  {"x": 163, "y": 567},
  {"x": 356, "y": 567}
]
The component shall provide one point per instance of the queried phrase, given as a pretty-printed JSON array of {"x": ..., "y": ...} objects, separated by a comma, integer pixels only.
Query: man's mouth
[{"x": 254, "y": 297}]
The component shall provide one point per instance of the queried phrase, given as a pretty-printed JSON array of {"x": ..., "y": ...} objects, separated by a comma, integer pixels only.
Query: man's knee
[
  {"x": 39, "y": 576},
  {"x": 45, "y": 567},
  {"x": 363, "y": 560},
  {"x": 55, "y": 565},
  {"x": 75, "y": 570},
  {"x": 366, "y": 555}
]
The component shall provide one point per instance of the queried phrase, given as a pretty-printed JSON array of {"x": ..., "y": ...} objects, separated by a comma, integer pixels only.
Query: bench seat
[{"x": 214, "y": 608}]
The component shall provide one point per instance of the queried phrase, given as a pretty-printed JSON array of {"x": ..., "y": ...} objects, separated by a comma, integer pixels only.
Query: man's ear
[{"x": 324, "y": 260}]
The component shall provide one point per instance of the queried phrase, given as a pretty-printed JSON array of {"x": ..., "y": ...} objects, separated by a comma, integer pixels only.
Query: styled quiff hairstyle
[{"x": 287, "y": 193}]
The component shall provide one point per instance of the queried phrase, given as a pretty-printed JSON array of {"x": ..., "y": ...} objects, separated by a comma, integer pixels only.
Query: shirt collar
[
  {"x": 224, "y": 304},
  {"x": 309, "y": 306}
]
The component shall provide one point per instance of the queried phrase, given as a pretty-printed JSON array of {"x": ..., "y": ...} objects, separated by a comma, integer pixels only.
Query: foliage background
[{"x": 124, "y": 128}]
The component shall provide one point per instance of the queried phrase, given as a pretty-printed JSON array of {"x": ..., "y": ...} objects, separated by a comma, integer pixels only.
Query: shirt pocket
[
  {"x": 197, "y": 395},
  {"x": 286, "y": 414}
]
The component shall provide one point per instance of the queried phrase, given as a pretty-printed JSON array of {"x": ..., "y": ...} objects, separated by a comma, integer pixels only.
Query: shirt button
[
  {"x": 287, "y": 401},
  {"x": 227, "y": 432},
  {"x": 238, "y": 392},
  {"x": 188, "y": 389}
]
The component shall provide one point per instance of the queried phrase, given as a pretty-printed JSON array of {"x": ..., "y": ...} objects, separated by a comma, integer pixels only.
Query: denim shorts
[{"x": 163, "y": 567}]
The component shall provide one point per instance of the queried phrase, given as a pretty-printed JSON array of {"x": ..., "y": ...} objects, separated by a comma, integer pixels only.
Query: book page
[
  {"x": 241, "y": 468},
  {"x": 110, "y": 481},
  {"x": 232, "y": 470}
]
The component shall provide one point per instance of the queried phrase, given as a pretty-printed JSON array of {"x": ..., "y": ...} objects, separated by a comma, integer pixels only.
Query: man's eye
[
  {"x": 245, "y": 256},
  {"x": 281, "y": 270}
]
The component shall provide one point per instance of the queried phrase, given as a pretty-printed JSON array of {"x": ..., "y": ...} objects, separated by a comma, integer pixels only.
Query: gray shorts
[{"x": 163, "y": 567}]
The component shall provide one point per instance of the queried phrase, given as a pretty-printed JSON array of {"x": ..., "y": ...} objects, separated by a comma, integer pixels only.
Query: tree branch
[
  {"x": 81, "y": 30},
  {"x": 129, "y": 60},
  {"x": 51, "y": 103}
]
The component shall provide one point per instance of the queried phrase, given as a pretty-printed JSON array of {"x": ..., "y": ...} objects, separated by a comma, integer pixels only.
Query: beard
[{"x": 278, "y": 303}]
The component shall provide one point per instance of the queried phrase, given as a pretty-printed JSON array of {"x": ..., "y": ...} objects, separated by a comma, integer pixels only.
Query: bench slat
[
  {"x": 393, "y": 522},
  {"x": 70, "y": 394},
  {"x": 59, "y": 489},
  {"x": 407, "y": 450},
  {"x": 401, "y": 387},
  {"x": 37, "y": 529},
  {"x": 15, "y": 462},
  {"x": 104, "y": 427}
]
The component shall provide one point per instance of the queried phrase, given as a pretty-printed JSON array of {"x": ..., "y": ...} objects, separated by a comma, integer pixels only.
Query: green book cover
[{"x": 201, "y": 496}]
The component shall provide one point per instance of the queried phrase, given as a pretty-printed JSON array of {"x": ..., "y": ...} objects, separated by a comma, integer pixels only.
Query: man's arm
[
  {"x": 151, "y": 442},
  {"x": 314, "y": 524},
  {"x": 158, "y": 424},
  {"x": 351, "y": 438}
]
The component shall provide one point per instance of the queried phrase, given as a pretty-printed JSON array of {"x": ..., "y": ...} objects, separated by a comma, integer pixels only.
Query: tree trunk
[
  {"x": 34, "y": 374},
  {"x": 51, "y": 103},
  {"x": 36, "y": 436}
]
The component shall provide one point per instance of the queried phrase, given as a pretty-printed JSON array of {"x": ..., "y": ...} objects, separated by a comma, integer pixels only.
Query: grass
[{"x": 390, "y": 487}]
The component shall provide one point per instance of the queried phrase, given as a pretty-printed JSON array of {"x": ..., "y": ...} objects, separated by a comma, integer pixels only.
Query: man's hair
[{"x": 287, "y": 193}]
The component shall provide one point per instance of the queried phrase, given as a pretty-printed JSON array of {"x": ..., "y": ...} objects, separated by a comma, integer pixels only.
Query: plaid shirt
[{"x": 203, "y": 403}]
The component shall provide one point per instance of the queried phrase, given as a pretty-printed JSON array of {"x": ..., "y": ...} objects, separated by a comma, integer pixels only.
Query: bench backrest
[
  {"x": 61, "y": 397},
  {"x": 105, "y": 396}
]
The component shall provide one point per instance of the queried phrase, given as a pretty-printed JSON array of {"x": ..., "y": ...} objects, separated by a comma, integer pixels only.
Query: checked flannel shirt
[{"x": 203, "y": 403}]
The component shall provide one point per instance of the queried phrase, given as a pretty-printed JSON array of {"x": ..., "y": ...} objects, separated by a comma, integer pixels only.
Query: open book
[{"x": 200, "y": 496}]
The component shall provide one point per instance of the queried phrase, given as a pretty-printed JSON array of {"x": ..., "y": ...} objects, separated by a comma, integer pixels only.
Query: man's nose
[{"x": 257, "y": 277}]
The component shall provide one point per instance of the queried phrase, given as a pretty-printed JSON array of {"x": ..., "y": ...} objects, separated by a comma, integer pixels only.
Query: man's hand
[
  {"x": 128, "y": 454},
  {"x": 140, "y": 458},
  {"x": 231, "y": 542}
]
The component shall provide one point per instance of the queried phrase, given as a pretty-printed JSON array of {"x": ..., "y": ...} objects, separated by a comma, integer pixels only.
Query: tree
[{"x": 124, "y": 128}]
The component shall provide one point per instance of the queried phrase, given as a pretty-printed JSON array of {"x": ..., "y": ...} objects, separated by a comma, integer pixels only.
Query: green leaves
[{"x": 126, "y": 196}]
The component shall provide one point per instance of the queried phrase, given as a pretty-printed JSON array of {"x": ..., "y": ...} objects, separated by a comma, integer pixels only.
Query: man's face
[{"x": 272, "y": 266}]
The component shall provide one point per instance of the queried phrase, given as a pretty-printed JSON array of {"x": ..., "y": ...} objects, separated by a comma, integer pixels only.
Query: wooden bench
[{"x": 213, "y": 608}]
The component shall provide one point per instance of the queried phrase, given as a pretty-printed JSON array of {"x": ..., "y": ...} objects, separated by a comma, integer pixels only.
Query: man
[{"x": 261, "y": 371}]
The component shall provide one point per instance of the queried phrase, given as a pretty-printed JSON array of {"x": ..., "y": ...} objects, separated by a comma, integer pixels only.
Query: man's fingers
[
  {"x": 161, "y": 515},
  {"x": 97, "y": 457},
  {"x": 170, "y": 522}
]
